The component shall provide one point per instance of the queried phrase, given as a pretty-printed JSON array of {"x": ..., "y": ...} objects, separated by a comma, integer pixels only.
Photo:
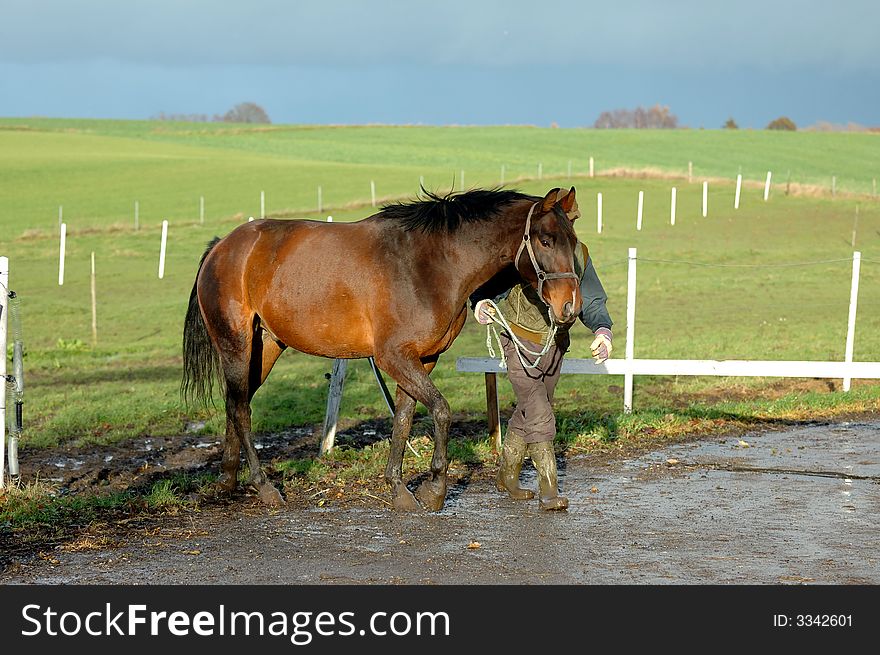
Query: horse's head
[{"x": 550, "y": 242}]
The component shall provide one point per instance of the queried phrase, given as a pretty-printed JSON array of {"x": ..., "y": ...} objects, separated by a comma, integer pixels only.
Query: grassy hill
[{"x": 98, "y": 169}]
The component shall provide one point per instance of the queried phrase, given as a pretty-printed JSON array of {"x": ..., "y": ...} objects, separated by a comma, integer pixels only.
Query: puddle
[{"x": 68, "y": 463}]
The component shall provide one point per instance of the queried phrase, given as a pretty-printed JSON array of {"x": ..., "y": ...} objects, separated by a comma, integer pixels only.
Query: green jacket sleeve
[{"x": 593, "y": 314}]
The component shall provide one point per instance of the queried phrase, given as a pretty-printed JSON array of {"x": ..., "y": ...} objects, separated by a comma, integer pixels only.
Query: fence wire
[
  {"x": 763, "y": 307},
  {"x": 711, "y": 265}
]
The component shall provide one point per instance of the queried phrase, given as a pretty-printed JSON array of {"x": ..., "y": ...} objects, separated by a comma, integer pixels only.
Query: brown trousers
[{"x": 533, "y": 419}]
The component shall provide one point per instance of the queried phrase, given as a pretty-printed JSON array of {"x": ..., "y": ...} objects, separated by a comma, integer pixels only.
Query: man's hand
[
  {"x": 601, "y": 346},
  {"x": 484, "y": 313}
]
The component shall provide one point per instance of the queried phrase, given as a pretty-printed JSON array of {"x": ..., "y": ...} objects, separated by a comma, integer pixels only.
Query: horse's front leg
[
  {"x": 432, "y": 492},
  {"x": 413, "y": 376},
  {"x": 401, "y": 497}
]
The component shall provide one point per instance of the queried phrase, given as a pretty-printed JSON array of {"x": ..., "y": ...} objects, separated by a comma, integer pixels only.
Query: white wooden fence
[
  {"x": 4, "y": 307},
  {"x": 629, "y": 366}
]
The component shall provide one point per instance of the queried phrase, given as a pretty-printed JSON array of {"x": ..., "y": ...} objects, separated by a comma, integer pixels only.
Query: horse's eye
[{"x": 545, "y": 243}]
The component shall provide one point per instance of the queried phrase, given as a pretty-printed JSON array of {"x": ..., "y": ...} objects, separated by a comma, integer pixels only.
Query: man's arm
[{"x": 594, "y": 313}]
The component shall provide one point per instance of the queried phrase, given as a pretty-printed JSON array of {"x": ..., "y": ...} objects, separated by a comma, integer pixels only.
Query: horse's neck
[{"x": 490, "y": 246}]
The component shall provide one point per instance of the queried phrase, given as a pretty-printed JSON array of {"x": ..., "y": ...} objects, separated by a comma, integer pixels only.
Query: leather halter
[{"x": 527, "y": 245}]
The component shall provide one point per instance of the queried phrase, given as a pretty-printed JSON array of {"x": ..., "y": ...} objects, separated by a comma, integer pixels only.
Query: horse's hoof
[
  {"x": 218, "y": 489},
  {"x": 269, "y": 495},
  {"x": 226, "y": 483},
  {"x": 431, "y": 495},
  {"x": 404, "y": 501}
]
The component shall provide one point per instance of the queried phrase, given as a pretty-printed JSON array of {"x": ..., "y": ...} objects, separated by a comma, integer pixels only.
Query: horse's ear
[
  {"x": 549, "y": 200},
  {"x": 569, "y": 205}
]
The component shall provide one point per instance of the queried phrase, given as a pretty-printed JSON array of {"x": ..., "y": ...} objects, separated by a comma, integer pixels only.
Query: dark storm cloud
[
  {"x": 487, "y": 34},
  {"x": 443, "y": 61}
]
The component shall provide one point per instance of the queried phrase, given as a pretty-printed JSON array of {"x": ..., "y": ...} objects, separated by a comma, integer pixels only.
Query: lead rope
[
  {"x": 498, "y": 318},
  {"x": 520, "y": 346}
]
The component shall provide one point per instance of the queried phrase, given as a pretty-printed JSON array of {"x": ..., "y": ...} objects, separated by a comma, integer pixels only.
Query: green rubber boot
[
  {"x": 544, "y": 460},
  {"x": 512, "y": 456}
]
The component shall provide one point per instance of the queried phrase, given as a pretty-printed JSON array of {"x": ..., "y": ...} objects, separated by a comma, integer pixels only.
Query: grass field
[
  {"x": 98, "y": 169},
  {"x": 742, "y": 306}
]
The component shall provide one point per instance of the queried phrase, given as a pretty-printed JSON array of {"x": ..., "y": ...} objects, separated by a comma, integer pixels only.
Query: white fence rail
[
  {"x": 629, "y": 366},
  {"x": 725, "y": 367}
]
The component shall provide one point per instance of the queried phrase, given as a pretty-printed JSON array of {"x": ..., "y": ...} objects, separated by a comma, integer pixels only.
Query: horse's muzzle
[{"x": 567, "y": 317}]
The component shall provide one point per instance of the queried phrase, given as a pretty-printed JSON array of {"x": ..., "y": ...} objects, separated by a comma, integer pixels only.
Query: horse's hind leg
[
  {"x": 232, "y": 442},
  {"x": 264, "y": 353},
  {"x": 244, "y": 370}
]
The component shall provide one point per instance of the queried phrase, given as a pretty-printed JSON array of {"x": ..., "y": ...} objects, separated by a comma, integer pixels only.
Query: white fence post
[
  {"x": 630, "y": 332},
  {"x": 591, "y": 167},
  {"x": 599, "y": 212},
  {"x": 641, "y": 208},
  {"x": 4, "y": 311},
  {"x": 94, "y": 303},
  {"x": 373, "y": 192},
  {"x": 672, "y": 207},
  {"x": 62, "y": 249},
  {"x": 262, "y": 204},
  {"x": 705, "y": 198},
  {"x": 851, "y": 323},
  {"x": 855, "y": 227},
  {"x": 162, "y": 249},
  {"x": 739, "y": 182},
  {"x": 767, "y": 187}
]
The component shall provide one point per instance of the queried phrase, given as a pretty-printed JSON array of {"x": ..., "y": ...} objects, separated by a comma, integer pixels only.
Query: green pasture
[
  {"x": 770, "y": 280},
  {"x": 97, "y": 169}
]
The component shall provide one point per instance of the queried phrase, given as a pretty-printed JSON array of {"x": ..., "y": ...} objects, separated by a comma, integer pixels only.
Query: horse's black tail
[{"x": 200, "y": 361}]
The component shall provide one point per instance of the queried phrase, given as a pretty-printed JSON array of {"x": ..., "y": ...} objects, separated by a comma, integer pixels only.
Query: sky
[{"x": 443, "y": 62}]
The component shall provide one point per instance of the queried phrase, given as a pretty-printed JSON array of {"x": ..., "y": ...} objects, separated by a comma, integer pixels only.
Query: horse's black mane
[{"x": 431, "y": 212}]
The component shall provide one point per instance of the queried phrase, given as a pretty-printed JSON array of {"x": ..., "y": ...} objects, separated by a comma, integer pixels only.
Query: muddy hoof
[
  {"x": 431, "y": 495},
  {"x": 269, "y": 495},
  {"x": 219, "y": 489},
  {"x": 404, "y": 501}
]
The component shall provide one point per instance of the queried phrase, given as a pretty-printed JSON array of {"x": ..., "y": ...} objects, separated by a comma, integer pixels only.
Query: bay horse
[{"x": 394, "y": 286}]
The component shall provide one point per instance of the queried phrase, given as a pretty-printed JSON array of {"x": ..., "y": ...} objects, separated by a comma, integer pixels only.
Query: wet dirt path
[{"x": 799, "y": 506}]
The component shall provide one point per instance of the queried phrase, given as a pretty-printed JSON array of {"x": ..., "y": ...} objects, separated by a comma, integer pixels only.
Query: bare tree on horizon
[
  {"x": 245, "y": 112},
  {"x": 657, "y": 116}
]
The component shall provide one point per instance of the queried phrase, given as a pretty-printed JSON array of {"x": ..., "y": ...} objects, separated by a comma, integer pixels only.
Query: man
[{"x": 532, "y": 427}]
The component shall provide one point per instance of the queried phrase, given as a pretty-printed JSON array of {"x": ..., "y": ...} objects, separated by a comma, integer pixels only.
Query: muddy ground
[{"x": 800, "y": 505}]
